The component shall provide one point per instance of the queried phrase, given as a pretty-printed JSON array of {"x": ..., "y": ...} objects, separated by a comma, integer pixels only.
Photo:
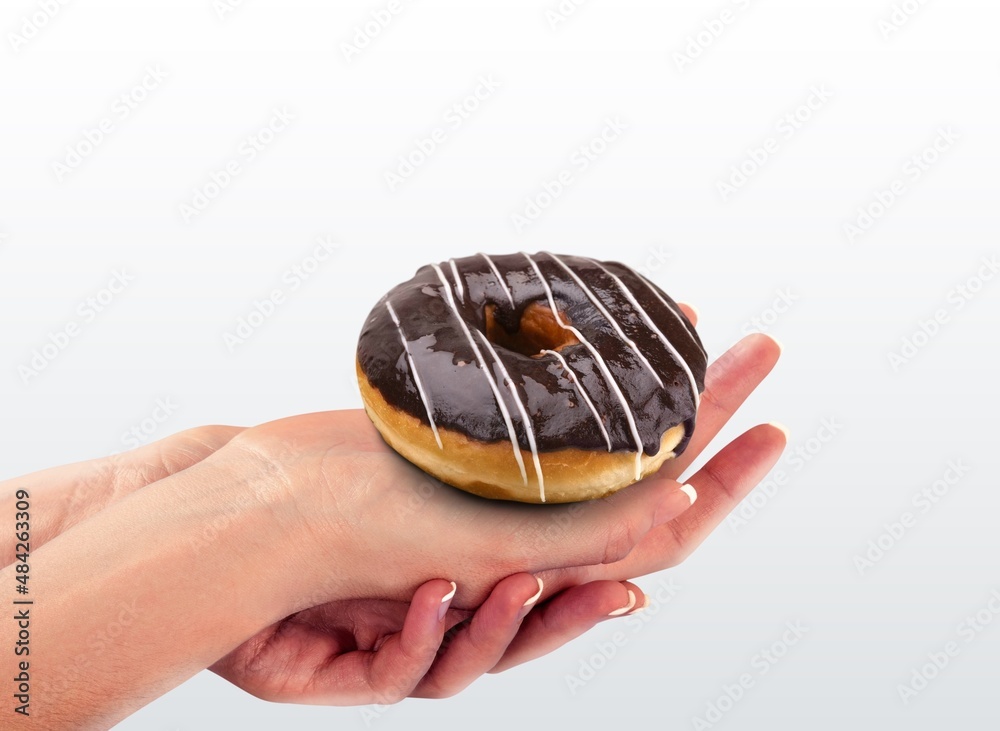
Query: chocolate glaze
[{"x": 458, "y": 391}]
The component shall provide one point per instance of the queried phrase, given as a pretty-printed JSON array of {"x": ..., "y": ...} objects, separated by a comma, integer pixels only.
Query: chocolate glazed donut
[{"x": 538, "y": 378}]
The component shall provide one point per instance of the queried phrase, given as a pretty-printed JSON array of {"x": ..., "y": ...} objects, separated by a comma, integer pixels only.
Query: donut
[{"x": 536, "y": 378}]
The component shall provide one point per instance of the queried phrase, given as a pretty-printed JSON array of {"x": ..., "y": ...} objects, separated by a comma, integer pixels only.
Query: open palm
[
  {"x": 360, "y": 651},
  {"x": 377, "y": 650}
]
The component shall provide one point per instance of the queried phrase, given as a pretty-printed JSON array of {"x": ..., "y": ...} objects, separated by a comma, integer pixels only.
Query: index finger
[{"x": 728, "y": 383}]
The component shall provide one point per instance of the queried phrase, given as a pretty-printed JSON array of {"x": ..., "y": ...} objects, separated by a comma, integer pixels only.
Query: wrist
[
  {"x": 241, "y": 520},
  {"x": 198, "y": 565}
]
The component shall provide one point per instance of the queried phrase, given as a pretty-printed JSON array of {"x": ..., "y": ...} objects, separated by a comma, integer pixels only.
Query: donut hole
[{"x": 538, "y": 330}]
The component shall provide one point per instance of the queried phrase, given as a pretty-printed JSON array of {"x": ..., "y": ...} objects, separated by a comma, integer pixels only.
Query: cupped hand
[
  {"x": 357, "y": 521},
  {"x": 356, "y": 652},
  {"x": 725, "y": 479},
  {"x": 495, "y": 639},
  {"x": 346, "y": 636}
]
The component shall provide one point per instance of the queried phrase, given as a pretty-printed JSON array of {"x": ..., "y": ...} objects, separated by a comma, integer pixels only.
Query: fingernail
[
  {"x": 781, "y": 348},
  {"x": 526, "y": 607},
  {"x": 645, "y": 603},
  {"x": 782, "y": 428},
  {"x": 626, "y": 608},
  {"x": 690, "y": 492},
  {"x": 446, "y": 601}
]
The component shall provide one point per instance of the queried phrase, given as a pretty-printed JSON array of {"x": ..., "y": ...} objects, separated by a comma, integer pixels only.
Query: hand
[
  {"x": 64, "y": 496},
  {"x": 723, "y": 481},
  {"x": 570, "y": 613},
  {"x": 357, "y": 521},
  {"x": 271, "y": 665},
  {"x": 475, "y": 645},
  {"x": 357, "y": 652},
  {"x": 721, "y": 484},
  {"x": 266, "y": 480}
]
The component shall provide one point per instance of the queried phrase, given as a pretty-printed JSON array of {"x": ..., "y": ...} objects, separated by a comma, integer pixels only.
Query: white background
[{"x": 651, "y": 200}]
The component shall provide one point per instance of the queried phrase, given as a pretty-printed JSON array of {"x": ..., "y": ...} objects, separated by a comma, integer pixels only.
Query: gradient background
[{"x": 651, "y": 201}]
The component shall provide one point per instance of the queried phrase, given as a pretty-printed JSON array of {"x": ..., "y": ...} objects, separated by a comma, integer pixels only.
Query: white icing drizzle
[
  {"x": 500, "y": 279},
  {"x": 583, "y": 394},
  {"x": 486, "y": 371},
  {"x": 528, "y": 428},
  {"x": 687, "y": 326},
  {"x": 608, "y": 316},
  {"x": 458, "y": 281},
  {"x": 416, "y": 376},
  {"x": 652, "y": 326},
  {"x": 630, "y": 418}
]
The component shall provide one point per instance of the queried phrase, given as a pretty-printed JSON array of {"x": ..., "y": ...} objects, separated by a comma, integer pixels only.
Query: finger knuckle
[
  {"x": 415, "y": 654},
  {"x": 435, "y": 691},
  {"x": 619, "y": 541},
  {"x": 391, "y": 698},
  {"x": 211, "y": 436}
]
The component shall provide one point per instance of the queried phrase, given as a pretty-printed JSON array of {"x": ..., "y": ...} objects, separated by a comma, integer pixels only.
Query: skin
[
  {"x": 278, "y": 521},
  {"x": 346, "y": 636}
]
